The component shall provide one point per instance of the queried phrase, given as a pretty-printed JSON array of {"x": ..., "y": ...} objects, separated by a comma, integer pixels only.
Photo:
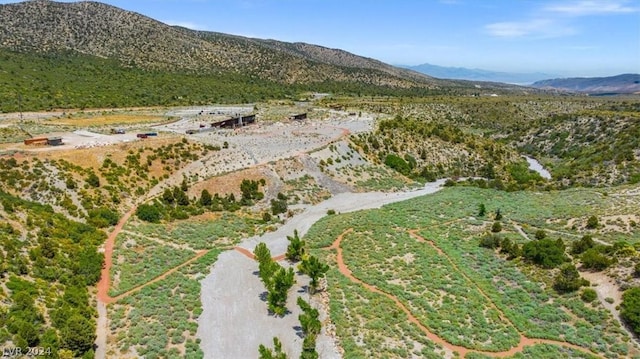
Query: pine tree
[
  {"x": 311, "y": 327},
  {"x": 482, "y": 210},
  {"x": 281, "y": 281},
  {"x": 205, "y": 198},
  {"x": 266, "y": 266},
  {"x": 296, "y": 249},
  {"x": 568, "y": 279},
  {"x": 315, "y": 269},
  {"x": 277, "y": 353}
]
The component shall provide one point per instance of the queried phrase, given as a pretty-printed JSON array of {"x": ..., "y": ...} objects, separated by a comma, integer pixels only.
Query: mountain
[
  {"x": 105, "y": 31},
  {"x": 620, "y": 84},
  {"x": 461, "y": 73}
]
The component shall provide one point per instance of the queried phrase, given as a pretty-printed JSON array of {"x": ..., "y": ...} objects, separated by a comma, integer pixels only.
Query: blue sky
[{"x": 563, "y": 37}]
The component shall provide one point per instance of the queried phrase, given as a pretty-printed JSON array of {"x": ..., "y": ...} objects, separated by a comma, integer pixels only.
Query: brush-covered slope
[
  {"x": 135, "y": 40},
  {"x": 594, "y": 147},
  {"x": 48, "y": 263}
]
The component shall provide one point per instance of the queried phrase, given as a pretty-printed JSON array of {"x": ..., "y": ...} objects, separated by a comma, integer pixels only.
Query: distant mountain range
[
  {"x": 620, "y": 84},
  {"x": 461, "y": 73}
]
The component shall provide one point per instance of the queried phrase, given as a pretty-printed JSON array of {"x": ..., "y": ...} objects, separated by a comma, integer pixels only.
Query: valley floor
[{"x": 407, "y": 276}]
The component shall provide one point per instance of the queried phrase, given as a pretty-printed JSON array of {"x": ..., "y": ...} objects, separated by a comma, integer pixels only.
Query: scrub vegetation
[{"x": 427, "y": 253}]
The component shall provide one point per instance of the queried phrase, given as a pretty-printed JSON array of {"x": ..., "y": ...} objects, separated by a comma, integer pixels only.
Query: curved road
[{"x": 103, "y": 298}]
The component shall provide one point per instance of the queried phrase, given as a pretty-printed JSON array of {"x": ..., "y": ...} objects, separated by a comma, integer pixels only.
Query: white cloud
[
  {"x": 591, "y": 7},
  {"x": 557, "y": 20},
  {"x": 540, "y": 28}
]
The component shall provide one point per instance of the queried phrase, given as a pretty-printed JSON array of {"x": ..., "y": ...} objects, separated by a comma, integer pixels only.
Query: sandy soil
[
  {"x": 76, "y": 140},
  {"x": 606, "y": 287}
]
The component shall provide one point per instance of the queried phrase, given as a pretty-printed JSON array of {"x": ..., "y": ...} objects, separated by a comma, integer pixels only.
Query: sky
[{"x": 561, "y": 37}]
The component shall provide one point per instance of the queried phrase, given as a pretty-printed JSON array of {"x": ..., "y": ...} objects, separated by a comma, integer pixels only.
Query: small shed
[
  {"x": 54, "y": 141},
  {"x": 247, "y": 120}
]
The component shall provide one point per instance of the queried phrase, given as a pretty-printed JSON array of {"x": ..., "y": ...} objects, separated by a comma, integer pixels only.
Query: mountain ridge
[
  {"x": 623, "y": 84},
  {"x": 105, "y": 31}
]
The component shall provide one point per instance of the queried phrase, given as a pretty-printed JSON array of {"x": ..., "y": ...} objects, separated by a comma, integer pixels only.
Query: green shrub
[
  {"x": 521, "y": 173},
  {"x": 315, "y": 269},
  {"x": 149, "y": 213},
  {"x": 93, "y": 180},
  {"x": 594, "y": 259},
  {"x": 491, "y": 241},
  {"x": 630, "y": 309},
  {"x": 278, "y": 206},
  {"x": 588, "y": 295},
  {"x": 266, "y": 217},
  {"x": 512, "y": 250},
  {"x": 568, "y": 279},
  {"x": 397, "y": 163},
  {"x": 103, "y": 217},
  {"x": 585, "y": 243},
  {"x": 250, "y": 191},
  {"x": 546, "y": 252},
  {"x": 70, "y": 183}
]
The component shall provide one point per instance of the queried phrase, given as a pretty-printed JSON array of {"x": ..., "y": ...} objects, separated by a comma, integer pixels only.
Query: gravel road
[{"x": 235, "y": 320}]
